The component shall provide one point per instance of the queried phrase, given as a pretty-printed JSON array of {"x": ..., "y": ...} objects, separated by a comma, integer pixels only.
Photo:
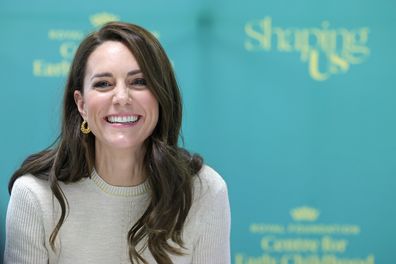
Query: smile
[{"x": 123, "y": 119}]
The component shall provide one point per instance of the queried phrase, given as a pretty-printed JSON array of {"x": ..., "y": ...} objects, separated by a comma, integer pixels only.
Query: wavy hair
[{"x": 171, "y": 168}]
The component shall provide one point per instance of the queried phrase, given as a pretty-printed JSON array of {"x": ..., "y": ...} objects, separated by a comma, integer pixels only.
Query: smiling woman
[
  {"x": 120, "y": 109},
  {"x": 124, "y": 190}
]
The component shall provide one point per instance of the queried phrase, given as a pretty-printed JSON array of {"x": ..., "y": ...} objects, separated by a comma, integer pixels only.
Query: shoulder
[
  {"x": 210, "y": 209},
  {"x": 29, "y": 184},
  {"x": 211, "y": 178},
  {"x": 209, "y": 184}
]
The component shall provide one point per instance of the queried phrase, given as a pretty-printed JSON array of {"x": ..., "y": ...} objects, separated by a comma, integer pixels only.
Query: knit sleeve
[
  {"x": 24, "y": 228},
  {"x": 213, "y": 244}
]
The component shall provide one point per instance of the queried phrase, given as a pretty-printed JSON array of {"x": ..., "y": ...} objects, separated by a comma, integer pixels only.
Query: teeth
[{"x": 122, "y": 119}]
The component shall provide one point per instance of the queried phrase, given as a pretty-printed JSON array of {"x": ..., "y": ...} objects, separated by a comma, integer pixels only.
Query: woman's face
[{"x": 120, "y": 109}]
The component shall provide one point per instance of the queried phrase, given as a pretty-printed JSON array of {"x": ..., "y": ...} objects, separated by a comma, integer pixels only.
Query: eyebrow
[{"x": 108, "y": 74}]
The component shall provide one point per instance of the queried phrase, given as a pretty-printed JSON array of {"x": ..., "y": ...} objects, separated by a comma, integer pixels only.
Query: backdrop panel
[{"x": 293, "y": 102}]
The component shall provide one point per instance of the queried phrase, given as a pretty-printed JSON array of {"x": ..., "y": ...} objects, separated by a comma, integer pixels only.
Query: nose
[{"x": 121, "y": 95}]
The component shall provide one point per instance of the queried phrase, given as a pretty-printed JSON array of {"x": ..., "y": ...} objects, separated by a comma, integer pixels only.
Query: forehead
[{"x": 111, "y": 56}]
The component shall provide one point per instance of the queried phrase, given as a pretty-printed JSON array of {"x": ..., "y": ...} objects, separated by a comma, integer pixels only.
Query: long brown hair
[{"x": 170, "y": 167}]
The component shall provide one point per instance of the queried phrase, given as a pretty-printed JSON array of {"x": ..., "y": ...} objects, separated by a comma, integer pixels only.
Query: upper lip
[{"x": 121, "y": 115}]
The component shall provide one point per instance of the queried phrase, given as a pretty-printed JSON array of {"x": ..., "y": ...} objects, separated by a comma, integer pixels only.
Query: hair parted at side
[{"x": 170, "y": 167}]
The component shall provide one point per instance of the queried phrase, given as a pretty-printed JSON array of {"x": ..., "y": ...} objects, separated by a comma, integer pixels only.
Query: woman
[{"x": 116, "y": 188}]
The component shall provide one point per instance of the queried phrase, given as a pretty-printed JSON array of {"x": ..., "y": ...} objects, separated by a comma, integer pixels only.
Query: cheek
[
  {"x": 151, "y": 108},
  {"x": 150, "y": 103},
  {"x": 93, "y": 103},
  {"x": 155, "y": 108}
]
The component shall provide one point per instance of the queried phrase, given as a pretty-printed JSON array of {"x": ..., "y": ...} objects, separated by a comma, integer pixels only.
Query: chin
[{"x": 125, "y": 145}]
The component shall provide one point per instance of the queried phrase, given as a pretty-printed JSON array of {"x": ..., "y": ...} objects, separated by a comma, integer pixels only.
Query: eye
[
  {"x": 139, "y": 82},
  {"x": 102, "y": 84}
]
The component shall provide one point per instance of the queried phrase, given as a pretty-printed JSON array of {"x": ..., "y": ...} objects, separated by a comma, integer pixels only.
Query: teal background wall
[{"x": 293, "y": 102}]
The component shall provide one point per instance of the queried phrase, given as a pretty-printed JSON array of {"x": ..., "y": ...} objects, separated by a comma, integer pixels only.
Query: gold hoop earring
[{"x": 84, "y": 127}]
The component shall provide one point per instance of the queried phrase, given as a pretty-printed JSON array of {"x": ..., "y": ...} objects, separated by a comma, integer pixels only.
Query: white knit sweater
[{"x": 100, "y": 215}]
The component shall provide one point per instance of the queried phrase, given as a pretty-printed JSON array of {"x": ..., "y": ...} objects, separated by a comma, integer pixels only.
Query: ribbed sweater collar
[{"x": 119, "y": 190}]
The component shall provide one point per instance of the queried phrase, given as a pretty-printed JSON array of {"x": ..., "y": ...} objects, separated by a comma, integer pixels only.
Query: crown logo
[
  {"x": 304, "y": 213},
  {"x": 100, "y": 19}
]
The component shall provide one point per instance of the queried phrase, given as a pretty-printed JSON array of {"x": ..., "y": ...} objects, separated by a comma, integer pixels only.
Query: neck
[{"x": 120, "y": 167}]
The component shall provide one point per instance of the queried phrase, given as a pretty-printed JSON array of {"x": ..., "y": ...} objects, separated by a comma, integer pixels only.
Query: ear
[{"x": 79, "y": 100}]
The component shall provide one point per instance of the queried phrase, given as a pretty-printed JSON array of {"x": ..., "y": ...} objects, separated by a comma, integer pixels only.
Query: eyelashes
[
  {"x": 138, "y": 83},
  {"x": 102, "y": 84}
]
